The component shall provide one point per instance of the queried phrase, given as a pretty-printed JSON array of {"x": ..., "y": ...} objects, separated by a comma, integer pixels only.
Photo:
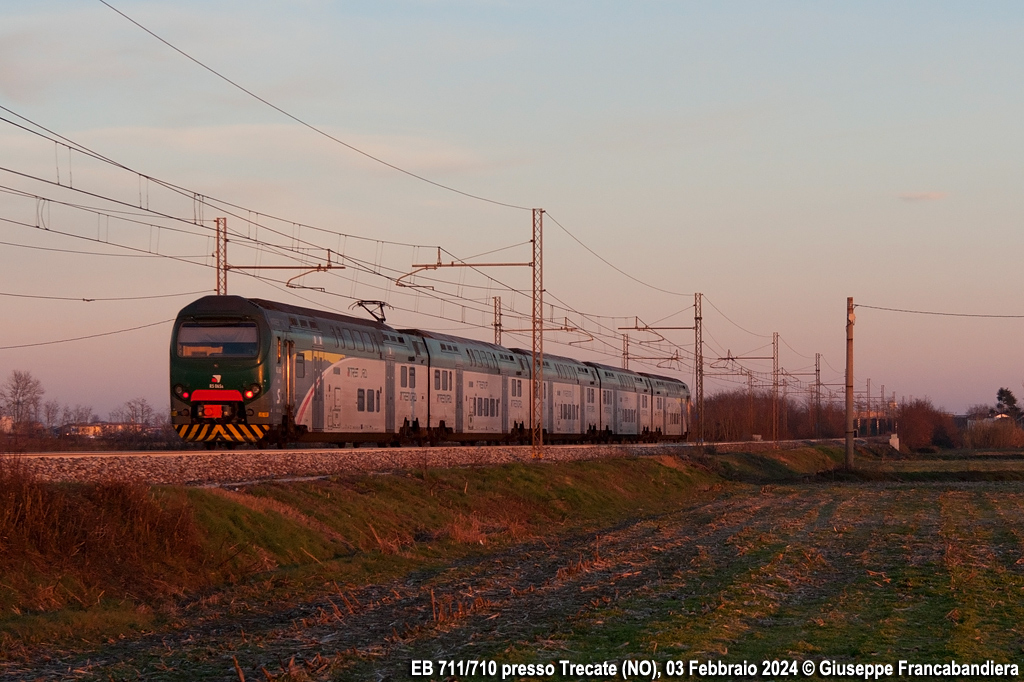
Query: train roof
[
  {"x": 661, "y": 377},
  {"x": 454, "y": 339},
  {"x": 240, "y": 305},
  {"x": 309, "y": 312},
  {"x": 549, "y": 356}
]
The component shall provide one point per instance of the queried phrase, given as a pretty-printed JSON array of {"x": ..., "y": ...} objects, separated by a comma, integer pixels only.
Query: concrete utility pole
[
  {"x": 850, "y": 318},
  {"x": 775, "y": 389},
  {"x": 817, "y": 395},
  {"x": 698, "y": 360}
]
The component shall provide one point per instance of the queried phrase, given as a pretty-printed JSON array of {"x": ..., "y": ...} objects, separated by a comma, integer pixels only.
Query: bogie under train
[{"x": 255, "y": 371}]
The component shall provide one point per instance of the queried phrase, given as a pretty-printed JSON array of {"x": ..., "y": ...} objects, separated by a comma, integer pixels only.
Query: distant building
[{"x": 102, "y": 429}]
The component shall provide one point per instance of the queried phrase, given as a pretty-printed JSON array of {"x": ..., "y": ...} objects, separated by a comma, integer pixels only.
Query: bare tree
[
  {"x": 137, "y": 412},
  {"x": 20, "y": 397},
  {"x": 52, "y": 413},
  {"x": 79, "y": 414}
]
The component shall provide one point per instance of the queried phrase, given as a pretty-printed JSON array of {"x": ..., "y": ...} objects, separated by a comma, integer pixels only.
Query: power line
[
  {"x": 84, "y": 253},
  {"x": 313, "y": 127},
  {"x": 82, "y": 338},
  {"x": 763, "y": 336},
  {"x": 930, "y": 312},
  {"x": 117, "y": 298},
  {"x": 214, "y": 202},
  {"x": 606, "y": 262}
]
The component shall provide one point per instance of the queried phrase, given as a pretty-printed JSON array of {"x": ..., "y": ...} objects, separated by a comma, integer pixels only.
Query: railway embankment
[
  {"x": 86, "y": 565},
  {"x": 247, "y": 466}
]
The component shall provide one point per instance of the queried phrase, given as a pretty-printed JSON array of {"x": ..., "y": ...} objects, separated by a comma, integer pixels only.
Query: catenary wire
[
  {"x": 115, "y": 298},
  {"x": 82, "y": 338},
  {"x": 606, "y": 261},
  {"x": 931, "y": 312}
]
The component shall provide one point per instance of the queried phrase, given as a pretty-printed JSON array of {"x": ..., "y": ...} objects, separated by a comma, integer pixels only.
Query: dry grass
[{"x": 76, "y": 544}]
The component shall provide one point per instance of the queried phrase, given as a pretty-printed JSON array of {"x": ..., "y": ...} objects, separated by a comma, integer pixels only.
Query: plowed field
[{"x": 852, "y": 572}]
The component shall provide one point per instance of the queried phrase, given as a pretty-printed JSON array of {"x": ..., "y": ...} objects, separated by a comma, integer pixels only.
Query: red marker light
[
  {"x": 185, "y": 395},
  {"x": 248, "y": 394}
]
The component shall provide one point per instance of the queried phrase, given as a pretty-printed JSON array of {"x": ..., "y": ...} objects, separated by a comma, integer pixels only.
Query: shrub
[
  {"x": 921, "y": 424},
  {"x": 1001, "y": 433}
]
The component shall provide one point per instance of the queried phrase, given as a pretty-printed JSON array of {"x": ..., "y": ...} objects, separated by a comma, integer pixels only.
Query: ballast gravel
[{"x": 245, "y": 466}]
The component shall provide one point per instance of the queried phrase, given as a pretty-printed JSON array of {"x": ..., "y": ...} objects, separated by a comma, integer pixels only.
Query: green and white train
[{"x": 254, "y": 371}]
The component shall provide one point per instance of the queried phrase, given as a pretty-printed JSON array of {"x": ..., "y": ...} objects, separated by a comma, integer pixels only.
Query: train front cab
[{"x": 219, "y": 385}]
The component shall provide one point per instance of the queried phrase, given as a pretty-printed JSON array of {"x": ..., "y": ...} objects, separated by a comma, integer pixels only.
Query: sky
[{"x": 775, "y": 157}]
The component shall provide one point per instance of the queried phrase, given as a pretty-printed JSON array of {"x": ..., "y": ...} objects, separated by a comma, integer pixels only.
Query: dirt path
[{"x": 857, "y": 572}]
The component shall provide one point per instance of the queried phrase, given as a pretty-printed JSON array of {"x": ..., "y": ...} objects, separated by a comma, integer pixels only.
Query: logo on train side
[{"x": 215, "y": 381}]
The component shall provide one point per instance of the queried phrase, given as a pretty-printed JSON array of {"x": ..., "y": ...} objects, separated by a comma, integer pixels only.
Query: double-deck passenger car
[{"x": 257, "y": 371}]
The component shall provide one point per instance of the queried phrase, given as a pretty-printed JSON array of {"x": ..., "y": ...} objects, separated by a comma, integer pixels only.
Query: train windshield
[{"x": 222, "y": 340}]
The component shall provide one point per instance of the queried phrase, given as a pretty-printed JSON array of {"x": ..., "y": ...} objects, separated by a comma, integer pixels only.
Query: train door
[
  {"x": 318, "y": 391},
  {"x": 504, "y": 403},
  {"x": 289, "y": 378},
  {"x": 549, "y": 406},
  {"x": 616, "y": 410},
  {"x": 389, "y": 394},
  {"x": 583, "y": 409},
  {"x": 458, "y": 400}
]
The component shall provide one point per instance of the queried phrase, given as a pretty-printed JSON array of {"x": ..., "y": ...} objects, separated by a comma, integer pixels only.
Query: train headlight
[
  {"x": 179, "y": 390},
  {"x": 255, "y": 389},
  {"x": 249, "y": 393}
]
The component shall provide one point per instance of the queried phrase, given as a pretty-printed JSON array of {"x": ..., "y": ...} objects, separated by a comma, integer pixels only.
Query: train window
[
  {"x": 223, "y": 340},
  {"x": 401, "y": 339},
  {"x": 494, "y": 408},
  {"x": 313, "y": 325},
  {"x": 303, "y": 324},
  {"x": 370, "y": 407},
  {"x": 437, "y": 380},
  {"x": 359, "y": 341},
  {"x": 300, "y": 366},
  {"x": 347, "y": 336},
  {"x": 449, "y": 382},
  {"x": 405, "y": 377},
  {"x": 367, "y": 341},
  {"x": 337, "y": 370},
  {"x": 412, "y": 377},
  {"x": 361, "y": 400}
]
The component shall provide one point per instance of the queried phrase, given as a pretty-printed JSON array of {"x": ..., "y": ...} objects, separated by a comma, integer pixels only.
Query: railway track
[{"x": 224, "y": 467}]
